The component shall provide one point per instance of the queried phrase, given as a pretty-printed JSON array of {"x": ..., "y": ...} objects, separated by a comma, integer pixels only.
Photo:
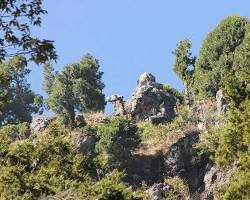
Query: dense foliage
[
  {"x": 118, "y": 139},
  {"x": 16, "y": 131},
  {"x": 184, "y": 66},
  {"x": 78, "y": 87},
  {"x": 229, "y": 142},
  {"x": 50, "y": 164},
  {"x": 30, "y": 171},
  {"x": 216, "y": 58},
  {"x": 17, "y": 101},
  {"x": 53, "y": 165},
  {"x": 184, "y": 62}
]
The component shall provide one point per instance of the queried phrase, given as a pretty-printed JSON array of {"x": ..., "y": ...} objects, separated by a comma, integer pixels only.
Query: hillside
[{"x": 159, "y": 144}]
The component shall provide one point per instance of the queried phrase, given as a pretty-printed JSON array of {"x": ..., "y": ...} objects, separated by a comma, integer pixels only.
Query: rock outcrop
[
  {"x": 39, "y": 123},
  {"x": 213, "y": 179},
  {"x": 182, "y": 160},
  {"x": 149, "y": 101},
  {"x": 85, "y": 143},
  {"x": 221, "y": 102},
  {"x": 159, "y": 191},
  {"x": 118, "y": 104}
]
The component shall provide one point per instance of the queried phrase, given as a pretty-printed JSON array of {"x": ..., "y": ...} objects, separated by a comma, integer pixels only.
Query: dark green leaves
[
  {"x": 77, "y": 88},
  {"x": 16, "y": 19}
]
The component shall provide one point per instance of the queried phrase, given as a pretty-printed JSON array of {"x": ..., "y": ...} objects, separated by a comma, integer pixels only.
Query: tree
[
  {"x": 77, "y": 88},
  {"x": 216, "y": 56},
  {"x": 184, "y": 65},
  {"x": 235, "y": 136},
  {"x": 18, "y": 101},
  {"x": 16, "y": 18},
  {"x": 49, "y": 77},
  {"x": 233, "y": 147},
  {"x": 237, "y": 84},
  {"x": 118, "y": 139},
  {"x": 229, "y": 142}
]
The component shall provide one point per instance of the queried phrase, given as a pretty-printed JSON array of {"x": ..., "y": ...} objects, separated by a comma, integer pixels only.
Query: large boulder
[
  {"x": 39, "y": 123},
  {"x": 85, "y": 143},
  {"x": 149, "y": 101}
]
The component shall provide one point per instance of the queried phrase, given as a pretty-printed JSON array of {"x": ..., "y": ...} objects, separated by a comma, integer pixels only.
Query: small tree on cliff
[
  {"x": 184, "y": 64},
  {"x": 77, "y": 88}
]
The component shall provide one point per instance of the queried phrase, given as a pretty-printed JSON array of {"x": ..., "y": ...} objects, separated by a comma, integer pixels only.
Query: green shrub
[
  {"x": 52, "y": 165},
  {"x": 111, "y": 187},
  {"x": 183, "y": 116},
  {"x": 239, "y": 185},
  {"x": 209, "y": 141},
  {"x": 118, "y": 139},
  {"x": 179, "y": 97},
  {"x": 235, "y": 136},
  {"x": 88, "y": 130},
  {"x": 217, "y": 56},
  {"x": 56, "y": 128},
  {"x": 16, "y": 131},
  {"x": 4, "y": 147},
  {"x": 228, "y": 144}
]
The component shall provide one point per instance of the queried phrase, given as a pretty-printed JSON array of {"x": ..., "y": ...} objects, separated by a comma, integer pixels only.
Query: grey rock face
[
  {"x": 85, "y": 143},
  {"x": 159, "y": 191},
  {"x": 118, "y": 104},
  {"x": 39, "y": 123},
  {"x": 214, "y": 178},
  {"x": 221, "y": 102},
  {"x": 148, "y": 100},
  {"x": 181, "y": 160}
]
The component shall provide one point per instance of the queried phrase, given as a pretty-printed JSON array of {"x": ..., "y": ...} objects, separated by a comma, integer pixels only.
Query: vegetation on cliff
[{"x": 49, "y": 164}]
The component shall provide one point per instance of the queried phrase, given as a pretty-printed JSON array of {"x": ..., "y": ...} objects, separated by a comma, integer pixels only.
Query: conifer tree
[
  {"x": 77, "y": 88},
  {"x": 18, "y": 101},
  {"x": 216, "y": 58},
  {"x": 184, "y": 66}
]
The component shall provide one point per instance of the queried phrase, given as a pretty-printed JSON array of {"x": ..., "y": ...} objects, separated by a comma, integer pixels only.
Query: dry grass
[
  {"x": 18, "y": 142},
  {"x": 161, "y": 137},
  {"x": 96, "y": 117}
]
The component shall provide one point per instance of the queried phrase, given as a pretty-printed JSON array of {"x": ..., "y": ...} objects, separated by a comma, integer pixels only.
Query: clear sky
[{"x": 129, "y": 37}]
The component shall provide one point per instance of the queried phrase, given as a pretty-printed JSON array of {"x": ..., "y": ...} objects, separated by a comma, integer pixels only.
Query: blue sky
[{"x": 129, "y": 37}]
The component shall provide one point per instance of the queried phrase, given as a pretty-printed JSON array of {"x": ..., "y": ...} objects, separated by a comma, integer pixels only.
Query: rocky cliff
[{"x": 149, "y": 101}]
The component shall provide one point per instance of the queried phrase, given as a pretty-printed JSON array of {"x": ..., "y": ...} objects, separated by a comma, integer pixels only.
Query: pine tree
[
  {"x": 77, "y": 88},
  {"x": 216, "y": 58},
  {"x": 18, "y": 101},
  {"x": 184, "y": 66}
]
